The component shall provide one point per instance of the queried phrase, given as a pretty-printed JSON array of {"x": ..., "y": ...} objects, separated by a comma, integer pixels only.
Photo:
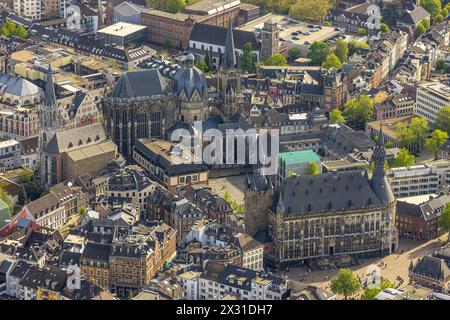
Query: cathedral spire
[
  {"x": 379, "y": 154},
  {"x": 229, "y": 59},
  {"x": 379, "y": 182},
  {"x": 280, "y": 205},
  {"x": 50, "y": 97}
]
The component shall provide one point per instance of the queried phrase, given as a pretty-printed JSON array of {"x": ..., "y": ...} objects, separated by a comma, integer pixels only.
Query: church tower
[
  {"x": 229, "y": 77},
  {"x": 192, "y": 93},
  {"x": 381, "y": 187},
  {"x": 270, "y": 36},
  {"x": 48, "y": 125}
]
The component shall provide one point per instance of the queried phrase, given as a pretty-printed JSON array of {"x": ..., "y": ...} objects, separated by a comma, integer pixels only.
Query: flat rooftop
[
  {"x": 439, "y": 89},
  {"x": 122, "y": 29},
  {"x": 172, "y": 16},
  {"x": 210, "y": 7},
  {"x": 8, "y": 143},
  {"x": 174, "y": 153},
  {"x": 295, "y": 157},
  {"x": 287, "y": 26}
]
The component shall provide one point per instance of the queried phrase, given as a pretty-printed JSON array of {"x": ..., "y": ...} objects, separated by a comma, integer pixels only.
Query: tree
[
  {"x": 426, "y": 24},
  {"x": 392, "y": 12},
  {"x": 33, "y": 190},
  {"x": 444, "y": 219},
  {"x": 5, "y": 31},
  {"x": 384, "y": 27},
  {"x": 336, "y": 117},
  {"x": 404, "y": 159},
  {"x": 442, "y": 121},
  {"x": 312, "y": 168},
  {"x": 318, "y": 52},
  {"x": 412, "y": 135},
  {"x": 361, "y": 31},
  {"x": 293, "y": 53},
  {"x": 276, "y": 60},
  {"x": 436, "y": 140},
  {"x": 432, "y": 6},
  {"x": 208, "y": 61},
  {"x": 420, "y": 29},
  {"x": 444, "y": 12},
  {"x": 83, "y": 211},
  {"x": 345, "y": 283},
  {"x": 248, "y": 59},
  {"x": 439, "y": 18},
  {"x": 168, "y": 44},
  {"x": 440, "y": 66},
  {"x": 202, "y": 66},
  {"x": 310, "y": 10},
  {"x": 359, "y": 111},
  {"x": 341, "y": 50},
  {"x": 21, "y": 32},
  {"x": 332, "y": 61},
  {"x": 355, "y": 46},
  {"x": 389, "y": 144},
  {"x": 6, "y": 199},
  {"x": 25, "y": 176},
  {"x": 370, "y": 292}
]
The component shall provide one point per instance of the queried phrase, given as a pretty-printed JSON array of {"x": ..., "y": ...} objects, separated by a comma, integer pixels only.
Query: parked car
[
  {"x": 295, "y": 38},
  {"x": 306, "y": 33}
]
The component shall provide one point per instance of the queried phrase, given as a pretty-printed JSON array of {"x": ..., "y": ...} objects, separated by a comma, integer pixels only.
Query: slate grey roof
[
  {"x": 76, "y": 103},
  {"x": 229, "y": 55},
  {"x": 217, "y": 35},
  {"x": 409, "y": 209},
  {"x": 379, "y": 181},
  {"x": 20, "y": 270},
  {"x": 50, "y": 96},
  {"x": 96, "y": 251},
  {"x": 245, "y": 242},
  {"x": 128, "y": 9},
  {"x": 77, "y": 138},
  {"x": 220, "y": 273},
  {"x": 52, "y": 278},
  {"x": 326, "y": 192},
  {"x": 138, "y": 84},
  {"x": 44, "y": 204},
  {"x": 433, "y": 268},
  {"x": 69, "y": 258},
  {"x": 190, "y": 79},
  {"x": 415, "y": 16},
  {"x": 433, "y": 208},
  {"x": 17, "y": 86},
  {"x": 128, "y": 179}
]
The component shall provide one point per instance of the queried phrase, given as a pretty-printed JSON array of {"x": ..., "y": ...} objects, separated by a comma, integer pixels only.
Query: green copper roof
[{"x": 299, "y": 157}]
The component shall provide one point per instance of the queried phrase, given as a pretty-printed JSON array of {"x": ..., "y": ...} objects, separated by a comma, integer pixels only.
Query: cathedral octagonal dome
[{"x": 190, "y": 79}]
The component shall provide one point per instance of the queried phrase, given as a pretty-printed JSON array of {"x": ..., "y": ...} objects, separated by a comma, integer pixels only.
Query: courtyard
[{"x": 391, "y": 266}]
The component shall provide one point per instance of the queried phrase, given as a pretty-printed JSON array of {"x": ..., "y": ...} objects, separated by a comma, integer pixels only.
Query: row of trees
[
  {"x": 333, "y": 56},
  {"x": 172, "y": 6},
  {"x": 357, "y": 112},
  {"x": 30, "y": 188},
  {"x": 414, "y": 135},
  {"x": 305, "y": 10},
  {"x": 10, "y": 29},
  {"x": 237, "y": 208}
]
